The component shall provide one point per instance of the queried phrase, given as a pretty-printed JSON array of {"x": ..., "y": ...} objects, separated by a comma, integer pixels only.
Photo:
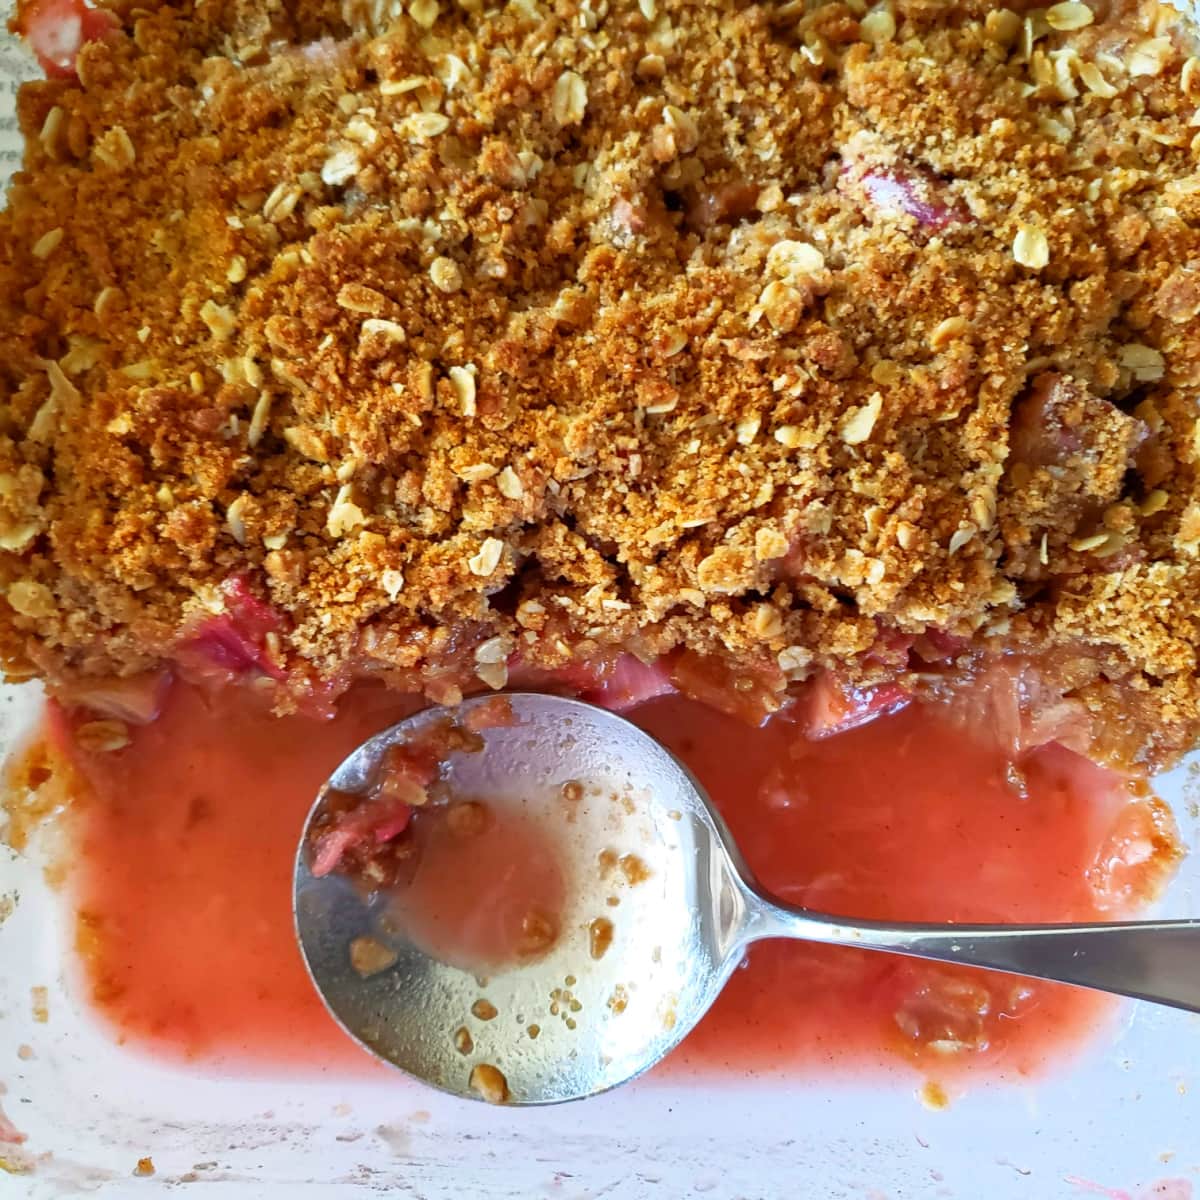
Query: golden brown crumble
[{"x": 772, "y": 331}]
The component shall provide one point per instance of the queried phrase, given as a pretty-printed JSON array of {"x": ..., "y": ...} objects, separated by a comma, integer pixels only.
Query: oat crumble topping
[{"x": 774, "y": 331}]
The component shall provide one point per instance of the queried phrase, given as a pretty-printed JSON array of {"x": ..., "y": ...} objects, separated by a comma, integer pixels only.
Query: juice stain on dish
[
  {"x": 910, "y": 818},
  {"x": 184, "y": 888},
  {"x": 186, "y": 846}
]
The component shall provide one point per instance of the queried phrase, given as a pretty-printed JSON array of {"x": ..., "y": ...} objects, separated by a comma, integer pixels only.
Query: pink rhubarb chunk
[
  {"x": 57, "y": 30},
  {"x": 137, "y": 699},
  {"x": 376, "y": 821},
  {"x": 629, "y": 683},
  {"x": 234, "y": 642},
  {"x": 832, "y": 707}
]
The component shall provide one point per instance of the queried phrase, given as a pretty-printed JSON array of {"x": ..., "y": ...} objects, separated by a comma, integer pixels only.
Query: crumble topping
[{"x": 781, "y": 332}]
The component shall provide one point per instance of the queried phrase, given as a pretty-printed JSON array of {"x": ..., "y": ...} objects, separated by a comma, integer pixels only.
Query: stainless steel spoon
[{"x": 570, "y": 1025}]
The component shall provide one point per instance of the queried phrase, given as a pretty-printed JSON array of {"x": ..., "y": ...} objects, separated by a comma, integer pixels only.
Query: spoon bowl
[
  {"x": 569, "y": 1024},
  {"x": 659, "y": 909}
]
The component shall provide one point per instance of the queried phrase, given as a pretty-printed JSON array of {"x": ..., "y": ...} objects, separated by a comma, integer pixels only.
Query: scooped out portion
[{"x": 475, "y": 884}]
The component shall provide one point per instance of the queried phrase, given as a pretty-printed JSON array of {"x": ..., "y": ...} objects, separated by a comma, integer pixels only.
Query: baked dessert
[{"x": 787, "y": 348}]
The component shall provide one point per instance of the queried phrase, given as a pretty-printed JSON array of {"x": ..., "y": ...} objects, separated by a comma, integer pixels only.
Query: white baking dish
[{"x": 1121, "y": 1121}]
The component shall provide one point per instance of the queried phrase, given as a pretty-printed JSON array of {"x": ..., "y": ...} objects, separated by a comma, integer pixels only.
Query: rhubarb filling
[{"x": 187, "y": 836}]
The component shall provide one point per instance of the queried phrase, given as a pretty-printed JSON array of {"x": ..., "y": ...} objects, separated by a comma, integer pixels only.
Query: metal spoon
[{"x": 570, "y": 1025}]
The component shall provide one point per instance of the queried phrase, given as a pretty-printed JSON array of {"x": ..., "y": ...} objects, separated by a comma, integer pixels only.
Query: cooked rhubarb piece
[
  {"x": 905, "y": 191},
  {"x": 135, "y": 698},
  {"x": 57, "y": 30},
  {"x": 356, "y": 833},
  {"x": 750, "y": 692},
  {"x": 236, "y": 642},
  {"x": 369, "y": 824},
  {"x": 630, "y": 682},
  {"x": 830, "y": 707}
]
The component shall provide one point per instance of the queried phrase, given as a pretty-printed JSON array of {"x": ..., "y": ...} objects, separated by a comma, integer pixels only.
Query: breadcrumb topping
[{"x": 770, "y": 331}]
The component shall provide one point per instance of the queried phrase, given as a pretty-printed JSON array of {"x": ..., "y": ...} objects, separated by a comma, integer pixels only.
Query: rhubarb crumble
[{"x": 753, "y": 350}]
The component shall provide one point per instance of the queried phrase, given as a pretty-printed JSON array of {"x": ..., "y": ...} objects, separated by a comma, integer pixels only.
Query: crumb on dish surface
[
  {"x": 440, "y": 342},
  {"x": 489, "y": 1082}
]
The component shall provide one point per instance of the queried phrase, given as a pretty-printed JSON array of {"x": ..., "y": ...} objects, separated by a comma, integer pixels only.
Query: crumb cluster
[{"x": 772, "y": 331}]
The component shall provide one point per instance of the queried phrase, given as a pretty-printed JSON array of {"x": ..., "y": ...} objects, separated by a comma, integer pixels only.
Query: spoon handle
[{"x": 1148, "y": 960}]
